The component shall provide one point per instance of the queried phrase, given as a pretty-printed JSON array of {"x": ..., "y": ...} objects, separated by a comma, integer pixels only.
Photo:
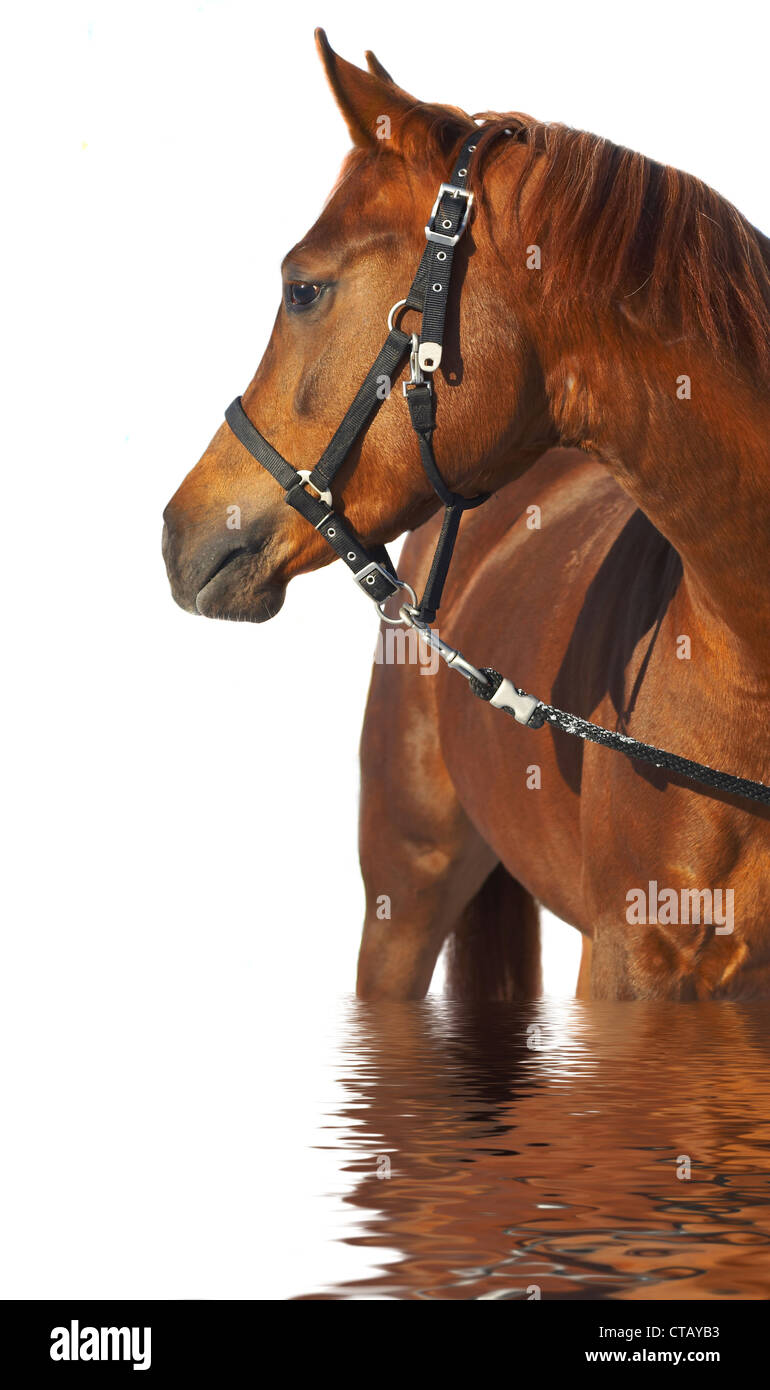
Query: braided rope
[{"x": 622, "y": 743}]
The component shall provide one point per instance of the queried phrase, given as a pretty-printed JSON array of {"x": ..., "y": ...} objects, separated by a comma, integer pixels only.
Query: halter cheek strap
[{"x": 372, "y": 567}]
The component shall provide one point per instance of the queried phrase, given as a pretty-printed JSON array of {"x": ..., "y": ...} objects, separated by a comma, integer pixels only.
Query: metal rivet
[
  {"x": 437, "y": 289},
  {"x": 446, "y": 222},
  {"x": 461, "y": 173},
  {"x": 370, "y": 578},
  {"x": 441, "y": 255},
  {"x": 351, "y": 554},
  {"x": 331, "y": 531},
  {"x": 471, "y": 147}
]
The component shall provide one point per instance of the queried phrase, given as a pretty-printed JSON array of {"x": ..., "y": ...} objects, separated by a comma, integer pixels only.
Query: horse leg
[
  {"x": 583, "y": 990},
  {"x": 494, "y": 951},
  {"x": 427, "y": 870},
  {"x": 421, "y": 866}
]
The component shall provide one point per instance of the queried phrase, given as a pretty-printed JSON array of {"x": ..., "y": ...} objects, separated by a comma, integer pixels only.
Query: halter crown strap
[{"x": 447, "y": 222}]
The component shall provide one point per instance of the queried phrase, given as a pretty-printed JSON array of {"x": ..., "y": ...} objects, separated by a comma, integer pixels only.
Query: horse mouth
[{"x": 237, "y": 592}]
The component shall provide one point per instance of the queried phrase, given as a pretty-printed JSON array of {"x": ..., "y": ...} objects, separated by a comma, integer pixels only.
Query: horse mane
[{"x": 618, "y": 228}]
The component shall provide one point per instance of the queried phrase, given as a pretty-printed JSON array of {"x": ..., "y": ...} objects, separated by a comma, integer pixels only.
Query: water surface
[{"x": 561, "y": 1150}]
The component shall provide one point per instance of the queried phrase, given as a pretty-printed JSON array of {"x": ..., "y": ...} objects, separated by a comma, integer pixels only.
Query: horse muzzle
[{"x": 219, "y": 576}]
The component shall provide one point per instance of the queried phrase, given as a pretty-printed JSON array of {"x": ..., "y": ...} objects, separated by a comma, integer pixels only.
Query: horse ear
[
  {"x": 364, "y": 98},
  {"x": 376, "y": 69}
]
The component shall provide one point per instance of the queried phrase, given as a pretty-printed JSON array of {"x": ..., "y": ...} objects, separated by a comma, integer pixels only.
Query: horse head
[{"x": 339, "y": 283}]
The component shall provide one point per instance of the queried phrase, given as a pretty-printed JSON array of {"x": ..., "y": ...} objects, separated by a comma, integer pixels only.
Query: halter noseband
[{"x": 372, "y": 568}]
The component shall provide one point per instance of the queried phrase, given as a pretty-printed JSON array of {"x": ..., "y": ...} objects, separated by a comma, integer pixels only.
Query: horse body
[
  {"x": 590, "y": 608},
  {"x": 636, "y": 341}
]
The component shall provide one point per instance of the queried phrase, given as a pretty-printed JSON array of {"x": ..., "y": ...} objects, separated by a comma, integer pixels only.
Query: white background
[{"x": 170, "y": 976}]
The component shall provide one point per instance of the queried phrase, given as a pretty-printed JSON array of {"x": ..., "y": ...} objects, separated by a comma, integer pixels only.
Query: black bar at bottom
[{"x": 214, "y": 1341}]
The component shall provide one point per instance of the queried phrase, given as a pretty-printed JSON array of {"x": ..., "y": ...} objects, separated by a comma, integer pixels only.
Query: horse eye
[{"x": 300, "y": 293}]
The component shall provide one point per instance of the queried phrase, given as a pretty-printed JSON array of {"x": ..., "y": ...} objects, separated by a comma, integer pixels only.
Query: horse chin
[{"x": 240, "y": 595}]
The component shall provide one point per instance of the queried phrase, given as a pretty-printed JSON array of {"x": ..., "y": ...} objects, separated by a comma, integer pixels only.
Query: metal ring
[
  {"x": 441, "y": 255},
  {"x": 437, "y": 288},
  {"x": 410, "y": 614},
  {"x": 399, "y": 304},
  {"x": 399, "y": 621}
]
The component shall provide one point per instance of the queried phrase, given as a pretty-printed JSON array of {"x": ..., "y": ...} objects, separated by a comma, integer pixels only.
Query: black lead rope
[{"x": 533, "y": 713}]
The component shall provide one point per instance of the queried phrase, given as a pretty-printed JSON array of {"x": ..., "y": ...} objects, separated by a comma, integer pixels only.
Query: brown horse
[{"x": 612, "y": 395}]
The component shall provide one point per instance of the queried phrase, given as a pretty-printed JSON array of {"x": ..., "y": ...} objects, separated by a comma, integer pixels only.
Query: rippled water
[{"x": 510, "y": 1152}]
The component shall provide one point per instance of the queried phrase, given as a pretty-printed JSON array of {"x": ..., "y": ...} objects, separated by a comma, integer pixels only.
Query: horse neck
[{"x": 697, "y": 465}]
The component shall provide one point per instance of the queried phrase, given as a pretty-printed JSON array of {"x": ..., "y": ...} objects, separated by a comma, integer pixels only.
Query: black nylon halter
[{"x": 372, "y": 567}]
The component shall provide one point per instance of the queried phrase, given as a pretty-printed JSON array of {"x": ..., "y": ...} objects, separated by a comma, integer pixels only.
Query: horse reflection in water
[{"x": 542, "y": 1150}]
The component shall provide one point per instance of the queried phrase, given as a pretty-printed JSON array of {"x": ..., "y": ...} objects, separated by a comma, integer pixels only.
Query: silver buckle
[
  {"x": 325, "y": 496},
  {"x": 517, "y": 702},
  {"x": 367, "y": 575},
  {"x": 440, "y": 237},
  {"x": 368, "y": 572}
]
